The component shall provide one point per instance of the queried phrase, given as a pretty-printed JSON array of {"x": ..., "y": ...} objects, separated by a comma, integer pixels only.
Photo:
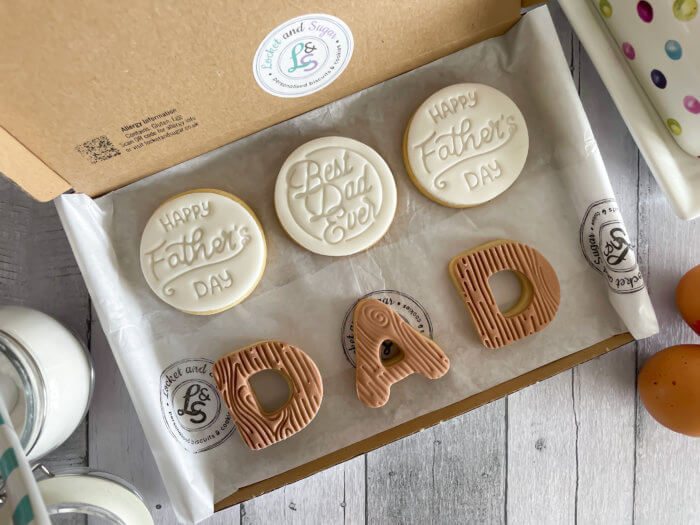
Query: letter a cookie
[
  {"x": 374, "y": 323},
  {"x": 538, "y": 303},
  {"x": 260, "y": 429}
]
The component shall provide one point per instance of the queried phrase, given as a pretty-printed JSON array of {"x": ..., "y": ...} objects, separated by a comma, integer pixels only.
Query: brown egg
[
  {"x": 688, "y": 298},
  {"x": 669, "y": 385}
]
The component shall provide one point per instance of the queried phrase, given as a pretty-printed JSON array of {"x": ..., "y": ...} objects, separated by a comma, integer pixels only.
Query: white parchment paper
[{"x": 303, "y": 298}]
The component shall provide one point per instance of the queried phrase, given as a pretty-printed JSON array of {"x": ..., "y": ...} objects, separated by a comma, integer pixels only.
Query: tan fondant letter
[
  {"x": 260, "y": 429},
  {"x": 373, "y": 324},
  {"x": 538, "y": 303}
]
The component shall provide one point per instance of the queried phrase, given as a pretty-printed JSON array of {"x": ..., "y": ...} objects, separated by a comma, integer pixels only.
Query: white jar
[
  {"x": 46, "y": 378},
  {"x": 80, "y": 492}
]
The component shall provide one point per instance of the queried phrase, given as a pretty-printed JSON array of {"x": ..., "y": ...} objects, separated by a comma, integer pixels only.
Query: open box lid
[{"x": 95, "y": 96}]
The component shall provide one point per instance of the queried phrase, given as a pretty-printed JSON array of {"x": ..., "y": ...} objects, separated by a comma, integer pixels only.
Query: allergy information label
[
  {"x": 155, "y": 128},
  {"x": 136, "y": 135},
  {"x": 303, "y": 55}
]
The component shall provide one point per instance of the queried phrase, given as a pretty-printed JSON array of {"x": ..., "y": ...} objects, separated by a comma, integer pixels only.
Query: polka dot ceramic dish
[
  {"x": 655, "y": 134},
  {"x": 661, "y": 42}
]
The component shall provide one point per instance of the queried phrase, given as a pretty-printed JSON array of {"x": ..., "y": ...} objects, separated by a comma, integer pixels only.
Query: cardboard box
[
  {"x": 74, "y": 75},
  {"x": 74, "y": 72}
]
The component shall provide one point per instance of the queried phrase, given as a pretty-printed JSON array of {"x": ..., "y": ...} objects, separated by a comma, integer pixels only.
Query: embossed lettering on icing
[
  {"x": 328, "y": 195},
  {"x": 465, "y": 151},
  {"x": 451, "y": 105},
  {"x": 462, "y": 143},
  {"x": 172, "y": 219},
  {"x": 197, "y": 249},
  {"x": 486, "y": 173},
  {"x": 202, "y": 251},
  {"x": 215, "y": 284},
  {"x": 335, "y": 196}
]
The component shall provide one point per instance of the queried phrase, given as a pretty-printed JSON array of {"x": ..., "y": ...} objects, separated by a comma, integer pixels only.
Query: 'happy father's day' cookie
[
  {"x": 203, "y": 251},
  {"x": 335, "y": 196},
  {"x": 465, "y": 145}
]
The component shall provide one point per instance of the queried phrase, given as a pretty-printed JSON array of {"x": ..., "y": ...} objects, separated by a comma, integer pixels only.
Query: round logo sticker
[
  {"x": 607, "y": 247},
  {"x": 303, "y": 55},
  {"x": 191, "y": 405},
  {"x": 406, "y": 306}
]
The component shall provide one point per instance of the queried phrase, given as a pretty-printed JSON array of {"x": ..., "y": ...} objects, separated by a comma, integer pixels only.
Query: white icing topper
[
  {"x": 335, "y": 196},
  {"x": 203, "y": 251},
  {"x": 465, "y": 145}
]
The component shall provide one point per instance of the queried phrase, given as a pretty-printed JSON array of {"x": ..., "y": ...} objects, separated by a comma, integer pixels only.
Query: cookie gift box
[{"x": 293, "y": 299}]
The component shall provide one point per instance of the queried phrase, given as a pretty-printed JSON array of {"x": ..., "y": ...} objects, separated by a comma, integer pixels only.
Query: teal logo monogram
[{"x": 302, "y": 57}]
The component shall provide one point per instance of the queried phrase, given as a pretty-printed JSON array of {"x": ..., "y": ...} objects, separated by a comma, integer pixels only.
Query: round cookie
[
  {"x": 465, "y": 145},
  {"x": 203, "y": 251},
  {"x": 335, "y": 196}
]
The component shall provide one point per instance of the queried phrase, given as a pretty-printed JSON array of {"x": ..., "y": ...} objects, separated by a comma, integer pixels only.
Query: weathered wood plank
[
  {"x": 667, "y": 483},
  {"x": 469, "y": 467},
  {"x": 355, "y": 491},
  {"x": 400, "y": 480},
  {"x": 335, "y": 495},
  {"x": 604, "y": 401},
  {"x": 454, "y": 472},
  {"x": 542, "y": 453},
  {"x": 268, "y": 508}
]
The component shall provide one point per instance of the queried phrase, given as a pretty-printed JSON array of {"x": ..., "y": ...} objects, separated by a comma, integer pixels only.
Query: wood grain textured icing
[
  {"x": 260, "y": 429},
  {"x": 538, "y": 304},
  {"x": 373, "y": 323}
]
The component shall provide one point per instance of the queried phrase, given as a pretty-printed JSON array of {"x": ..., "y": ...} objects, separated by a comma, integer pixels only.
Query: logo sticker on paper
[
  {"x": 303, "y": 55},
  {"x": 607, "y": 247},
  {"x": 406, "y": 306},
  {"x": 191, "y": 406}
]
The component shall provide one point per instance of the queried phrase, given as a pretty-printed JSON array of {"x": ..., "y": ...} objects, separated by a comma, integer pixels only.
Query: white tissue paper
[{"x": 561, "y": 204}]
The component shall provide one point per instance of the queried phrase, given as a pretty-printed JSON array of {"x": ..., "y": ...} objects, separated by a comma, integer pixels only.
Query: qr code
[{"x": 98, "y": 149}]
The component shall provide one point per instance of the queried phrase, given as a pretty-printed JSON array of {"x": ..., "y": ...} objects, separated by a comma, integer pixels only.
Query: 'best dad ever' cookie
[
  {"x": 335, "y": 196},
  {"x": 465, "y": 145},
  {"x": 203, "y": 251}
]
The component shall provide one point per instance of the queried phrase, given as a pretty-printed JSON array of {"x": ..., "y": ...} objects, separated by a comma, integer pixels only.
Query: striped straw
[{"x": 22, "y": 491}]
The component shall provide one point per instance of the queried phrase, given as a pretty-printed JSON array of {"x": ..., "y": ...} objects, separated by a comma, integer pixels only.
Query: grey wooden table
[{"x": 577, "y": 447}]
